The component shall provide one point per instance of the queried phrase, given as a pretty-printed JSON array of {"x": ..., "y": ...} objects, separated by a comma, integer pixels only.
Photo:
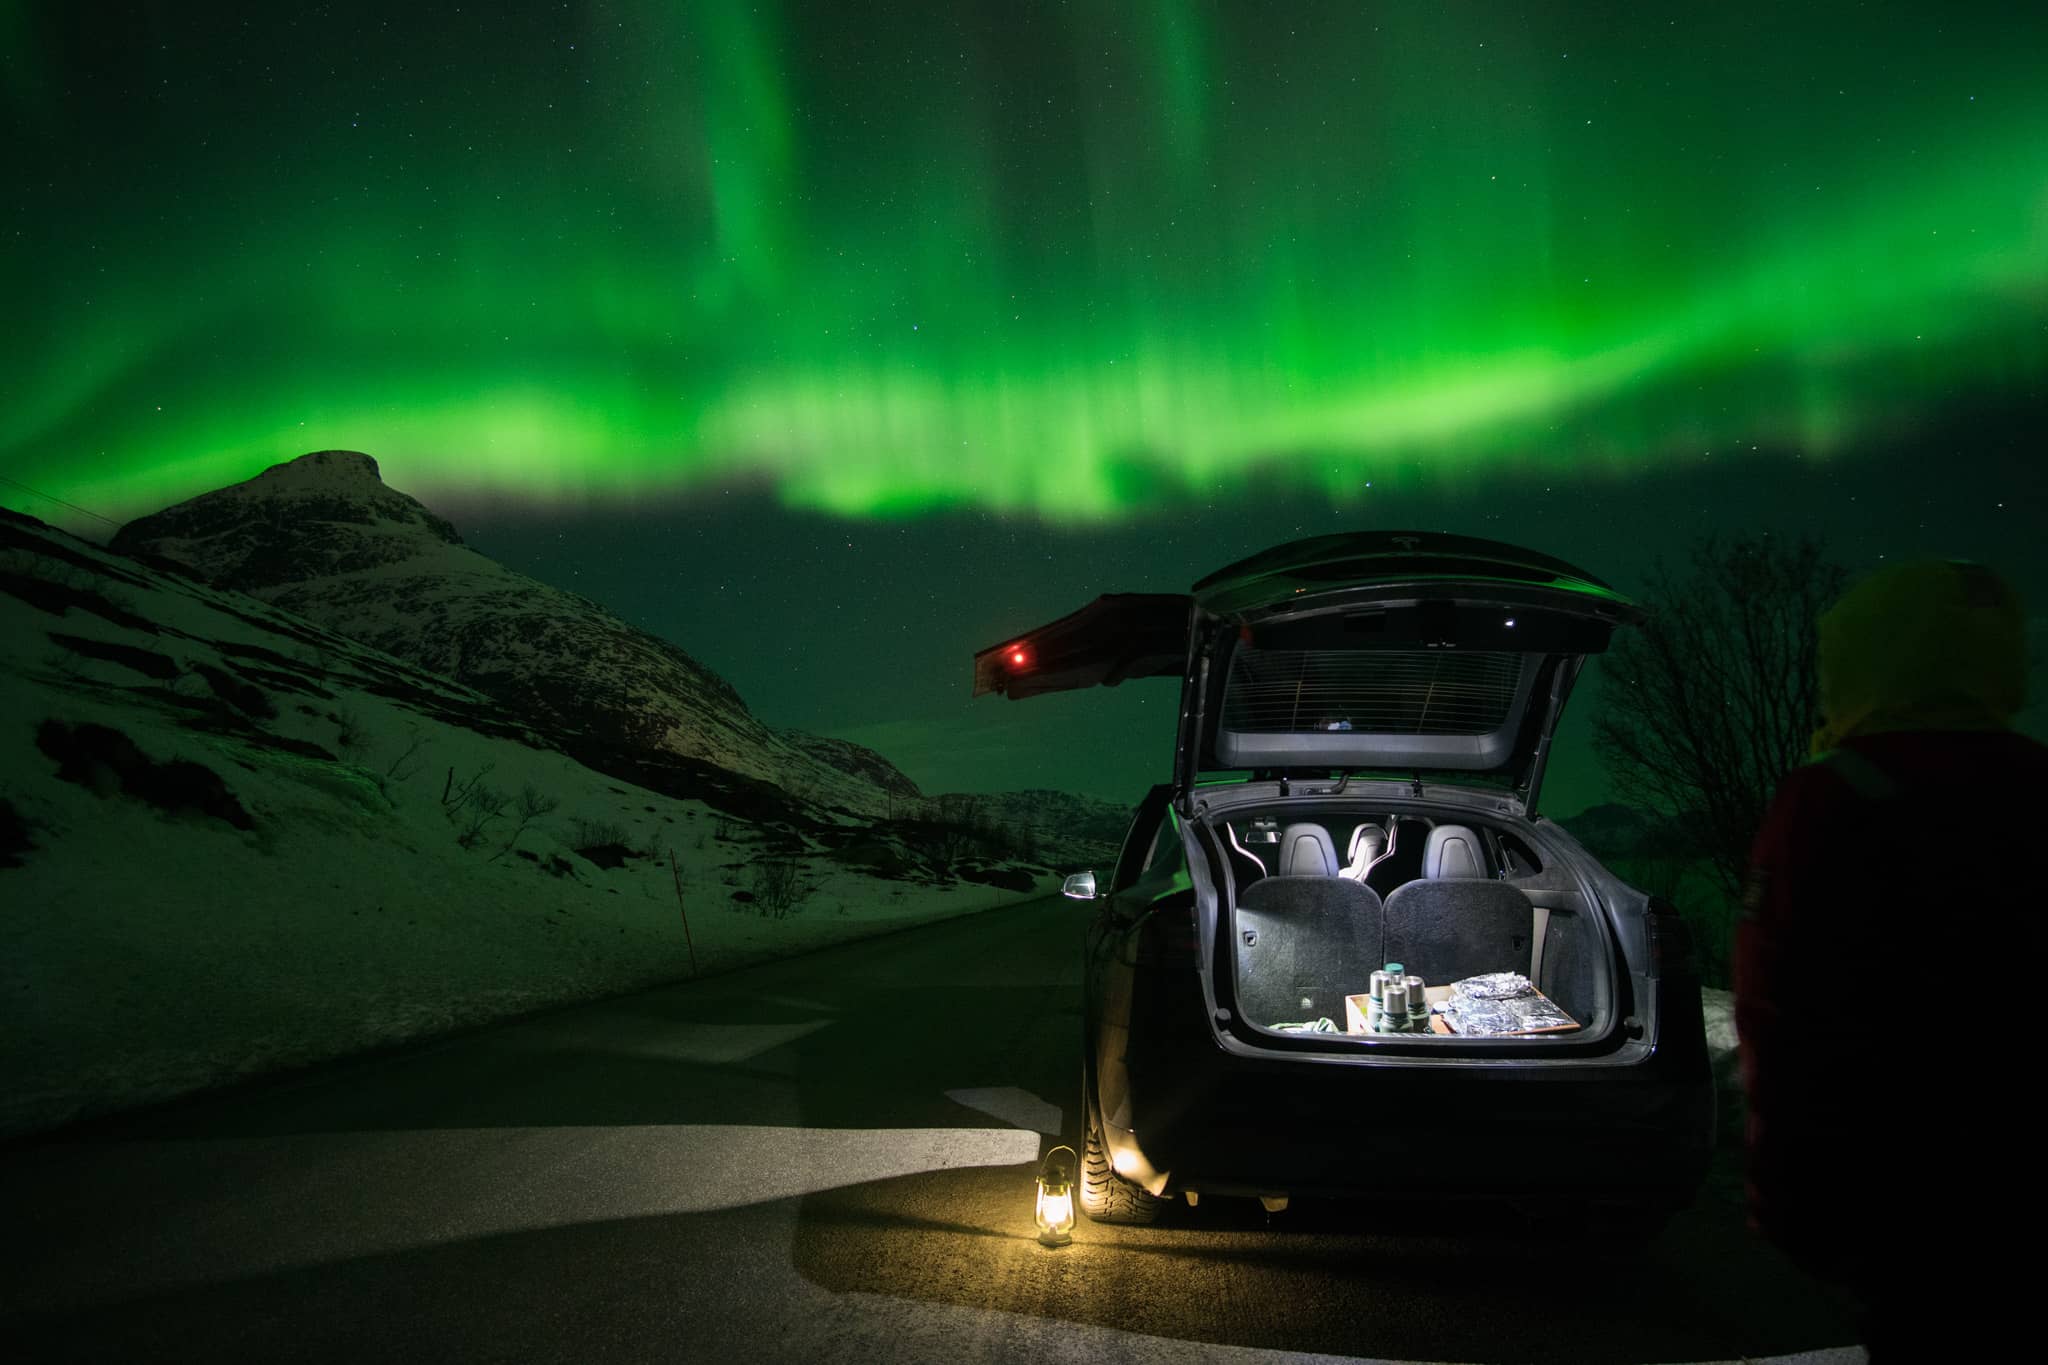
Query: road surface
[{"x": 823, "y": 1159}]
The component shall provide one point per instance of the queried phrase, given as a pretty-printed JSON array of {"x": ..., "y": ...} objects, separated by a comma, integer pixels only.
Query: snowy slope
[
  {"x": 325, "y": 538},
  {"x": 233, "y": 840}
]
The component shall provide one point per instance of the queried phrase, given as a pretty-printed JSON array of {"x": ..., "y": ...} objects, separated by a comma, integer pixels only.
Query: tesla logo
[{"x": 1408, "y": 542}]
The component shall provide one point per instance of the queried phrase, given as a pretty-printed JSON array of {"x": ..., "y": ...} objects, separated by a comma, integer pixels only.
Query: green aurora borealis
[
  {"x": 1069, "y": 261},
  {"x": 835, "y": 341}
]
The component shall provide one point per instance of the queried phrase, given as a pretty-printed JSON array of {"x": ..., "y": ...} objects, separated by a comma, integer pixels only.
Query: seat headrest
[
  {"x": 1306, "y": 851},
  {"x": 1452, "y": 851},
  {"x": 1368, "y": 847}
]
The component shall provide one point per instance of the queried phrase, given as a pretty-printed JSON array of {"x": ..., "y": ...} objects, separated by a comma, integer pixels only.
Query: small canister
[
  {"x": 1418, "y": 1003},
  {"x": 1377, "y": 986},
  {"x": 1394, "y": 1006}
]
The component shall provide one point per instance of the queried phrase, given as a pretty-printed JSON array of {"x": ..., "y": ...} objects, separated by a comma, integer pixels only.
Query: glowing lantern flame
[
  {"x": 1055, "y": 1210},
  {"x": 1017, "y": 657}
]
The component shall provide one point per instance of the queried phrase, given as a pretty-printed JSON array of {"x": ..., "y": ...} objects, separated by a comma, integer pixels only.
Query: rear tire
[{"x": 1107, "y": 1197}]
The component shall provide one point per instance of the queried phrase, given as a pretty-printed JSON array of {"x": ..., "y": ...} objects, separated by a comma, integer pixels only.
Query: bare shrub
[
  {"x": 531, "y": 804},
  {"x": 472, "y": 805},
  {"x": 484, "y": 805},
  {"x": 408, "y": 763},
  {"x": 959, "y": 825},
  {"x": 597, "y": 833},
  {"x": 455, "y": 794},
  {"x": 778, "y": 885}
]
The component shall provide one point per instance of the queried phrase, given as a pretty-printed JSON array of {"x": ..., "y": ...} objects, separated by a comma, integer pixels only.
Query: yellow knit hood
[{"x": 1932, "y": 644}]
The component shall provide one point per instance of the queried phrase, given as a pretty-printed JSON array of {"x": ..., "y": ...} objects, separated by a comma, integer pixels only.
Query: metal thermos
[
  {"x": 1394, "y": 1005},
  {"x": 1418, "y": 1003}
]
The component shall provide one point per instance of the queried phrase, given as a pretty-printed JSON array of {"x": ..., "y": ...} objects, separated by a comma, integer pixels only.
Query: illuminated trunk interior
[{"x": 1322, "y": 902}]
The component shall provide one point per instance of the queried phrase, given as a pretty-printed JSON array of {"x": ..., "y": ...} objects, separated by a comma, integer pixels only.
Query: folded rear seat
[
  {"x": 1306, "y": 937},
  {"x": 1455, "y": 921}
]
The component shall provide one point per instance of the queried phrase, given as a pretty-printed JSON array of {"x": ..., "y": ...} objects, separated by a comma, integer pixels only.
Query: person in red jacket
[{"x": 1891, "y": 984}]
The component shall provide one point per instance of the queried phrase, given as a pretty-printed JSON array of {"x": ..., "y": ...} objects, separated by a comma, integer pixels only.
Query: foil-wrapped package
[
  {"x": 1501, "y": 1003},
  {"x": 1493, "y": 986},
  {"x": 1479, "y": 1017}
]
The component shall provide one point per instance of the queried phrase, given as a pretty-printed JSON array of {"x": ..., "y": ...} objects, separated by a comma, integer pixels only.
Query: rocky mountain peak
[
  {"x": 325, "y": 513},
  {"x": 323, "y": 536},
  {"x": 321, "y": 468}
]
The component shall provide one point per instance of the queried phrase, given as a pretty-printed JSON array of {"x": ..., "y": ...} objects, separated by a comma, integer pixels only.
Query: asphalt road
[{"x": 829, "y": 1158}]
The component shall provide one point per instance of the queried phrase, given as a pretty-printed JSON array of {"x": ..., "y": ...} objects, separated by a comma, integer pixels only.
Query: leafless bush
[
  {"x": 597, "y": 833},
  {"x": 478, "y": 809},
  {"x": 531, "y": 804},
  {"x": 958, "y": 825},
  {"x": 455, "y": 795},
  {"x": 408, "y": 764},
  {"x": 778, "y": 886},
  {"x": 472, "y": 804}
]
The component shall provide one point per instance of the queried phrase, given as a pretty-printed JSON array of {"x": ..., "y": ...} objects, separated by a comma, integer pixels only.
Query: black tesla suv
[{"x": 1340, "y": 953}]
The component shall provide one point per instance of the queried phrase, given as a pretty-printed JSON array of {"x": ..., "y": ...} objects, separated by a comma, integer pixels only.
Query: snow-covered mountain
[
  {"x": 323, "y": 537},
  {"x": 232, "y": 840}
]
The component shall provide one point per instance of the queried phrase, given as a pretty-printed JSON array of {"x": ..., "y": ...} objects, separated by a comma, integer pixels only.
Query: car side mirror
[{"x": 1080, "y": 886}]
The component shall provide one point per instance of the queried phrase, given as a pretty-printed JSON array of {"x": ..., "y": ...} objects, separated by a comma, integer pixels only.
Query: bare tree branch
[
  {"x": 1712, "y": 702},
  {"x": 532, "y": 804}
]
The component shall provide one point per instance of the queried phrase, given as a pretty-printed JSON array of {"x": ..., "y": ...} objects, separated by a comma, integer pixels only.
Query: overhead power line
[{"x": 82, "y": 511}]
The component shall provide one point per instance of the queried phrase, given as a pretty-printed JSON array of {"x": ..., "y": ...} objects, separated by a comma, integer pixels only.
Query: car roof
[{"x": 1322, "y": 563}]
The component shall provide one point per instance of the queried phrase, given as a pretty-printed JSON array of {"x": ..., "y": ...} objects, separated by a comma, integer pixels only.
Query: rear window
[{"x": 1383, "y": 692}]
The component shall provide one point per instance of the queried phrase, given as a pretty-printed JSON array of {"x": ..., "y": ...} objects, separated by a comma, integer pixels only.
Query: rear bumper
[{"x": 1196, "y": 1117}]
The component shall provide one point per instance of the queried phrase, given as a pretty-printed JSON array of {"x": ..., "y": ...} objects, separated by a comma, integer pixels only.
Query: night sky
[{"x": 835, "y": 341}]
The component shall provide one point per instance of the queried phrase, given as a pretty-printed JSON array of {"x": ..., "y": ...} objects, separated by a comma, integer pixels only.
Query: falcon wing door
[{"x": 1117, "y": 636}]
